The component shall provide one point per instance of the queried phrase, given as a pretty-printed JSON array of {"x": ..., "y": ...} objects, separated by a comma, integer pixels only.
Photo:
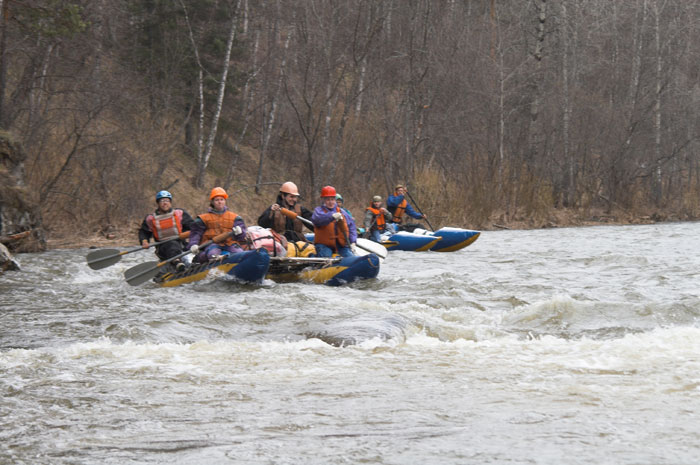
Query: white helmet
[{"x": 289, "y": 188}]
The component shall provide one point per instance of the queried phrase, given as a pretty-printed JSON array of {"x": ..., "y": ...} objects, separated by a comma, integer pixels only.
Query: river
[{"x": 571, "y": 345}]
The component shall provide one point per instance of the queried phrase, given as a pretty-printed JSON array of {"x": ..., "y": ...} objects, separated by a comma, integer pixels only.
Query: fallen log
[{"x": 14, "y": 237}]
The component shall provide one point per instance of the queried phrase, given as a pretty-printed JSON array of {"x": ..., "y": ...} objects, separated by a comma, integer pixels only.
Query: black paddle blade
[
  {"x": 103, "y": 258},
  {"x": 139, "y": 274}
]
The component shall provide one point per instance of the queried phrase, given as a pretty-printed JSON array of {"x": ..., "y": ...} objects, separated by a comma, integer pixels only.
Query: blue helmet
[{"x": 164, "y": 195}]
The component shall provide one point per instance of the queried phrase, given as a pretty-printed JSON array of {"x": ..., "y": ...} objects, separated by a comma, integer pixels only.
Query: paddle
[
  {"x": 369, "y": 246},
  {"x": 419, "y": 210},
  {"x": 103, "y": 258},
  {"x": 292, "y": 214},
  {"x": 139, "y": 274},
  {"x": 342, "y": 229}
]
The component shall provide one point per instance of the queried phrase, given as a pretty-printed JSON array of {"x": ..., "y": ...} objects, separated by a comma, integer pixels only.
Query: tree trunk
[
  {"x": 267, "y": 129},
  {"x": 657, "y": 188},
  {"x": 204, "y": 162},
  {"x": 249, "y": 100},
  {"x": 566, "y": 110},
  {"x": 3, "y": 61},
  {"x": 535, "y": 133}
]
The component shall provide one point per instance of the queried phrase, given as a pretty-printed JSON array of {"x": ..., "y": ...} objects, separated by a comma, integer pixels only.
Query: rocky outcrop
[
  {"x": 18, "y": 214},
  {"x": 7, "y": 261}
]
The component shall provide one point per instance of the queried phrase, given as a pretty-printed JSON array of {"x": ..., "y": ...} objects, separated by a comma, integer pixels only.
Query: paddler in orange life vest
[
  {"x": 398, "y": 205},
  {"x": 166, "y": 222},
  {"x": 218, "y": 220},
  {"x": 273, "y": 218},
  {"x": 376, "y": 219},
  {"x": 334, "y": 230}
]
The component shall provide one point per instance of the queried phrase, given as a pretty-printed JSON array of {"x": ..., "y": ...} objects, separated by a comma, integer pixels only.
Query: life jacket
[
  {"x": 379, "y": 220},
  {"x": 398, "y": 211},
  {"x": 264, "y": 238},
  {"x": 218, "y": 223},
  {"x": 166, "y": 225},
  {"x": 329, "y": 234},
  {"x": 280, "y": 221}
]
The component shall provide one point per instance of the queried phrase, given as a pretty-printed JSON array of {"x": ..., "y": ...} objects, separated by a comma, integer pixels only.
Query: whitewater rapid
[{"x": 575, "y": 344}]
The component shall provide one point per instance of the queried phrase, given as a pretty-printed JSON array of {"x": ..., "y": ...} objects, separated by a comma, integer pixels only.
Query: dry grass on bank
[{"x": 445, "y": 202}]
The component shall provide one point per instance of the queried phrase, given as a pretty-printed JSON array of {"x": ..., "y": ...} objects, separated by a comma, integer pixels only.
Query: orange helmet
[
  {"x": 289, "y": 188},
  {"x": 328, "y": 191},
  {"x": 218, "y": 192}
]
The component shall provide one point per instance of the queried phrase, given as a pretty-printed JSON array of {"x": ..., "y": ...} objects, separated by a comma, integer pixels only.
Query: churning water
[{"x": 577, "y": 345}]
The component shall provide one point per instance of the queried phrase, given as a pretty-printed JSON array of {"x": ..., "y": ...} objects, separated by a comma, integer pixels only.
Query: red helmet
[
  {"x": 328, "y": 191},
  {"x": 218, "y": 192}
]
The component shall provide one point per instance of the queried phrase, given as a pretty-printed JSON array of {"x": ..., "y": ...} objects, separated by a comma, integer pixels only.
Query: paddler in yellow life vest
[
  {"x": 218, "y": 220},
  {"x": 376, "y": 219},
  {"x": 334, "y": 230},
  {"x": 165, "y": 223},
  {"x": 398, "y": 206},
  {"x": 273, "y": 218}
]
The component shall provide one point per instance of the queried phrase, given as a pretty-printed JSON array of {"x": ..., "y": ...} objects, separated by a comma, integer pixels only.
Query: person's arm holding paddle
[
  {"x": 352, "y": 232},
  {"x": 420, "y": 212},
  {"x": 196, "y": 232},
  {"x": 304, "y": 218},
  {"x": 217, "y": 220},
  {"x": 102, "y": 258},
  {"x": 330, "y": 234},
  {"x": 306, "y": 214},
  {"x": 381, "y": 253},
  {"x": 410, "y": 211},
  {"x": 139, "y": 274},
  {"x": 145, "y": 234},
  {"x": 400, "y": 194}
]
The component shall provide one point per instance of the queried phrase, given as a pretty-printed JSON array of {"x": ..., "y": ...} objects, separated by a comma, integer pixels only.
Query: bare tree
[{"x": 204, "y": 152}]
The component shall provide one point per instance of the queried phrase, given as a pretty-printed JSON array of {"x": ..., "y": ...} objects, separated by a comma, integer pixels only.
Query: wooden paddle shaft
[{"x": 293, "y": 215}]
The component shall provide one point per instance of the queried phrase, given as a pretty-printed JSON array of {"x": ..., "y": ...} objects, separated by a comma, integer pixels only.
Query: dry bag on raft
[
  {"x": 301, "y": 249},
  {"x": 263, "y": 238}
]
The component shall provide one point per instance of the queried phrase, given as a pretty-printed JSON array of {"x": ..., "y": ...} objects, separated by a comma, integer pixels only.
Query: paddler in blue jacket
[
  {"x": 398, "y": 205},
  {"x": 334, "y": 230}
]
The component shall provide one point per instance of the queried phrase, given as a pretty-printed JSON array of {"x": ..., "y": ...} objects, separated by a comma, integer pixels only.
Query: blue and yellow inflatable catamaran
[
  {"x": 255, "y": 265},
  {"x": 289, "y": 263},
  {"x": 420, "y": 240}
]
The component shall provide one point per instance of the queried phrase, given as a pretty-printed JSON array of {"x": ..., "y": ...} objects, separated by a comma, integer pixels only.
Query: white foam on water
[{"x": 527, "y": 346}]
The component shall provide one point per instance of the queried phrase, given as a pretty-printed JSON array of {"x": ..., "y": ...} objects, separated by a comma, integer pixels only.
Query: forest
[{"x": 493, "y": 112}]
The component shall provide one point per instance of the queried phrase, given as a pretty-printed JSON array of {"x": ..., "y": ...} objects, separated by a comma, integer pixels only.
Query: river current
[{"x": 572, "y": 345}]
